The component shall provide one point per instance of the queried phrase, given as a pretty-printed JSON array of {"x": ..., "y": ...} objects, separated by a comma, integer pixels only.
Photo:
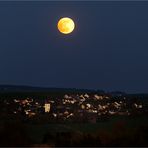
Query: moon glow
[{"x": 66, "y": 25}]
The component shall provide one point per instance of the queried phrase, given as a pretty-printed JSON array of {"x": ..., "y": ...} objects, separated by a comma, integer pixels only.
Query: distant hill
[
  {"x": 19, "y": 88},
  {"x": 117, "y": 93}
]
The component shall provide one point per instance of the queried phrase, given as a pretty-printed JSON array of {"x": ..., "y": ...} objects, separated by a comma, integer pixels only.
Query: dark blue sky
[{"x": 108, "y": 49}]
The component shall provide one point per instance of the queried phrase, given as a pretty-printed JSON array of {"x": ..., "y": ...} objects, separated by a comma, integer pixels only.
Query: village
[{"x": 72, "y": 107}]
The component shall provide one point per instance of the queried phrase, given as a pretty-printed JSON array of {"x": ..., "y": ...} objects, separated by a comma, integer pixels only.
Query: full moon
[{"x": 66, "y": 25}]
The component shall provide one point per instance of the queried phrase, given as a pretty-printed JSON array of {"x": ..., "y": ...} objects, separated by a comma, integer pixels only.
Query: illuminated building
[{"x": 47, "y": 107}]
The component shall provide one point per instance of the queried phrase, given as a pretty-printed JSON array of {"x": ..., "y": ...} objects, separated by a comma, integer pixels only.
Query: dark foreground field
[{"x": 118, "y": 131}]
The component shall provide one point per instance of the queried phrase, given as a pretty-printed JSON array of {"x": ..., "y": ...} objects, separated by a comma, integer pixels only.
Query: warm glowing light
[
  {"x": 66, "y": 25},
  {"x": 47, "y": 108}
]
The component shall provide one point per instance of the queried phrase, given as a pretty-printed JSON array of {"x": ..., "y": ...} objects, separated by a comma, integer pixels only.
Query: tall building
[{"x": 47, "y": 107}]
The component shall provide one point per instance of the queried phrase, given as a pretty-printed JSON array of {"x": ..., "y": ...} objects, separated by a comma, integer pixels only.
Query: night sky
[{"x": 108, "y": 49}]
